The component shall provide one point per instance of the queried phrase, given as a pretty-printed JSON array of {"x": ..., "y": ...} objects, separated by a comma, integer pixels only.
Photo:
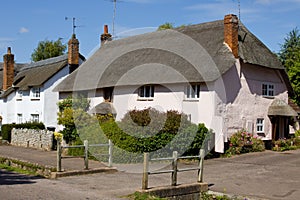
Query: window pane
[
  {"x": 152, "y": 91},
  {"x": 142, "y": 91},
  {"x": 147, "y": 88}
]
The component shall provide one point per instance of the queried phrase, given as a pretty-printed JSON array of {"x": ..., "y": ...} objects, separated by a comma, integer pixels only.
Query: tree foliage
[
  {"x": 165, "y": 26},
  {"x": 70, "y": 112},
  {"x": 48, "y": 49},
  {"x": 290, "y": 58}
]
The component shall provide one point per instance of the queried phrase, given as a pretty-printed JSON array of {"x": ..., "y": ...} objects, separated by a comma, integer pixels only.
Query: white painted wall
[
  {"x": 249, "y": 104},
  {"x": 45, "y": 106},
  {"x": 50, "y": 108}
]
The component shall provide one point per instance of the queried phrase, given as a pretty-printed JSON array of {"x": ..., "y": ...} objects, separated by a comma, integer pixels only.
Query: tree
[
  {"x": 72, "y": 111},
  {"x": 289, "y": 55},
  {"x": 165, "y": 26},
  {"x": 48, "y": 49}
]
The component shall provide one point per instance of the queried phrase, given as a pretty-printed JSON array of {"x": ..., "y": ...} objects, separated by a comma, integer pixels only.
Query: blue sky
[{"x": 25, "y": 23}]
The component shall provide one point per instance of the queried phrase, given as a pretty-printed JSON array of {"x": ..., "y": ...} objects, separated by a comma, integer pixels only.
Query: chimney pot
[
  {"x": 8, "y": 50},
  {"x": 105, "y": 29}
]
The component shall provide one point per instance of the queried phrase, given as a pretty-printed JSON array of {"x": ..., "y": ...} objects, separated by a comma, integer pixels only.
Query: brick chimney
[
  {"x": 8, "y": 69},
  {"x": 231, "y": 27},
  {"x": 105, "y": 36},
  {"x": 73, "y": 53}
]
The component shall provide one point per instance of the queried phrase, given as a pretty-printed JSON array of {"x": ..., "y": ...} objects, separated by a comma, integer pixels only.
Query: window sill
[
  {"x": 145, "y": 99},
  {"x": 268, "y": 97},
  {"x": 35, "y": 99},
  {"x": 191, "y": 100}
]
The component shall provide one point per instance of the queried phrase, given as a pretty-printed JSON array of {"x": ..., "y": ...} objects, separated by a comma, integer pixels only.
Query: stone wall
[{"x": 38, "y": 139}]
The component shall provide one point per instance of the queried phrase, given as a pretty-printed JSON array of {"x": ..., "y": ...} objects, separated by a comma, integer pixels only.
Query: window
[
  {"x": 35, "y": 117},
  {"x": 193, "y": 91},
  {"x": 268, "y": 90},
  {"x": 19, "y": 95},
  {"x": 146, "y": 92},
  {"x": 20, "y": 118},
  {"x": 36, "y": 92},
  {"x": 260, "y": 125}
]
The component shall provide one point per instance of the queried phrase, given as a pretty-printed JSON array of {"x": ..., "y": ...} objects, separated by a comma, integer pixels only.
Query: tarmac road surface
[{"x": 266, "y": 175}]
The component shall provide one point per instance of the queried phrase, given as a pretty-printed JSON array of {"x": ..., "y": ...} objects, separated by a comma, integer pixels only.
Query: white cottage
[
  {"x": 218, "y": 73},
  {"x": 27, "y": 94}
]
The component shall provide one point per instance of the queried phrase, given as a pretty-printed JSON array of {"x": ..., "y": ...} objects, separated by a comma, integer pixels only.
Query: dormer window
[
  {"x": 193, "y": 91},
  {"x": 146, "y": 92},
  {"x": 268, "y": 90},
  {"x": 36, "y": 93}
]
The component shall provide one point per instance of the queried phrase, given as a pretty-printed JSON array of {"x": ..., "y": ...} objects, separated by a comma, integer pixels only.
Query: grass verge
[{"x": 17, "y": 170}]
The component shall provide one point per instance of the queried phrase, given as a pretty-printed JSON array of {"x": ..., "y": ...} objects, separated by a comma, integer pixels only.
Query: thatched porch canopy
[{"x": 280, "y": 108}]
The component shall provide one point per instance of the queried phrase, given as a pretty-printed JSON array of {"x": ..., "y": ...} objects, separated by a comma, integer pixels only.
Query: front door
[{"x": 280, "y": 127}]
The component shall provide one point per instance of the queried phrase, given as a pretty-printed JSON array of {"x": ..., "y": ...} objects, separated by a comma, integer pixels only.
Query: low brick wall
[{"x": 38, "y": 139}]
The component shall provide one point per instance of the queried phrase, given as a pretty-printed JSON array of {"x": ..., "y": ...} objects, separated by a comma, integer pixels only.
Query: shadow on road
[{"x": 11, "y": 178}]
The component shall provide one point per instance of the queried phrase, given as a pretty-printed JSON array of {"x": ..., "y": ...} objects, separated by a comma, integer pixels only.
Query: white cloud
[{"x": 23, "y": 30}]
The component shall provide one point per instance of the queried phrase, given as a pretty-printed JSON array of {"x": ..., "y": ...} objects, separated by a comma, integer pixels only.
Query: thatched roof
[
  {"x": 280, "y": 108},
  {"x": 195, "y": 53},
  {"x": 37, "y": 73}
]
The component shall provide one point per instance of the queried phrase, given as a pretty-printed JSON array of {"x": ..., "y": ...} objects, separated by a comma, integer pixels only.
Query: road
[{"x": 267, "y": 175}]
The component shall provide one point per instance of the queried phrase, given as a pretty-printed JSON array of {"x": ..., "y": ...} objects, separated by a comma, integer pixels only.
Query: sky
[{"x": 25, "y": 23}]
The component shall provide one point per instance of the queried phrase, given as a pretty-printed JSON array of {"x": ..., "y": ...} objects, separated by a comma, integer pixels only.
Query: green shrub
[
  {"x": 297, "y": 133},
  {"x": 159, "y": 133},
  {"x": 6, "y": 128},
  {"x": 286, "y": 144},
  {"x": 76, "y": 151},
  {"x": 243, "y": 142},
  {"x": 6, "y": 132}
]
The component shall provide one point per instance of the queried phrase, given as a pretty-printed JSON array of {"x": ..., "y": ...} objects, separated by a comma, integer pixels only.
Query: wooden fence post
[
  {"x": 145, "y": 172},
  {"x": 174, "y": 168},
  {"x": 58, "y": 164},
  {"x": 110, "y": 153},
  {"x": 201, "y": 162},
  {"x": 86, "y": 154}
]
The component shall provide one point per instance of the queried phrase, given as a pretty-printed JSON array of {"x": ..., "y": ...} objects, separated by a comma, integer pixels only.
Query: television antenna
[
  {"x": 114, "y": 15},
  {"x": 74, "y": 26},
  {"x": 239, "y": 8}
]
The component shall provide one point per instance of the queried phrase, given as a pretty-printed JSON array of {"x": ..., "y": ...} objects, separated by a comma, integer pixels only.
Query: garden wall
[{"x": 38, "y": 139}]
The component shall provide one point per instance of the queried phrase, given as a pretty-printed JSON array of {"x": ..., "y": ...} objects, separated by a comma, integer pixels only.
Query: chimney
[
  {"x": 105, "y": 36},
  {"x": 231, "y": 27},
  {"x": 8, "y": 69},
  {"x": 73, "y": 53}
]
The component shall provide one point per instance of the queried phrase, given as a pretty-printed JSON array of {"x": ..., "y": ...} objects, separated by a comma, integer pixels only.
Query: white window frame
[
  {"x": 268, "y": 89},
  {"x": 260, "y": 125},
  {"x": 192, "y": 92},
  {"x": 19, "y": 118},
  {"x": 146, "y": 92},
  {"x": 35, "y": 117},
  {"x": 36, "y": 92}
]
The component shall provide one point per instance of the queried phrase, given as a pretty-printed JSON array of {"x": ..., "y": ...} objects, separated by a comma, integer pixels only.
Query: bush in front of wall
[
  {"x": 244, "y": 142},
  {"x": 7, "y": 128},
  {"x": 150, "y": 130}
]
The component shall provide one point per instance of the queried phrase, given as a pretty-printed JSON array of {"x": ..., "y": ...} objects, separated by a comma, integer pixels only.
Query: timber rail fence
[
  {"x": 86, "y": 146},
  {"x": 174, "y": 169}
]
